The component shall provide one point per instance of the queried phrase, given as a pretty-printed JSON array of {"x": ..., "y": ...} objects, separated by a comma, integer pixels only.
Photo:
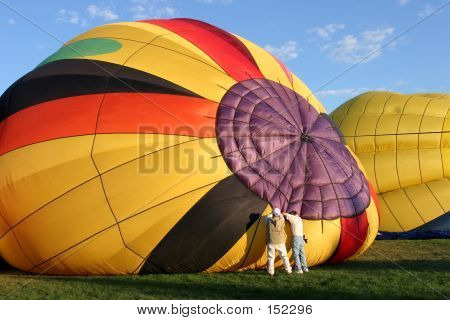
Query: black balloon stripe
[
  {"x": 75, "y": 77},
  {"x": 208, "y": 230}
]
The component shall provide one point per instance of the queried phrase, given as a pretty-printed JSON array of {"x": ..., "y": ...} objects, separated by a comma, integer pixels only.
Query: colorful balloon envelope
[
  {"x": 403, "y": 142},
  {"x": 158, "y": 146}
]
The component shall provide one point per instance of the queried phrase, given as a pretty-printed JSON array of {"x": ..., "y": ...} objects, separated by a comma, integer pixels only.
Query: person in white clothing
[
  {"x": 276, "y": 241},
  {"x": 298, "y": 250}
]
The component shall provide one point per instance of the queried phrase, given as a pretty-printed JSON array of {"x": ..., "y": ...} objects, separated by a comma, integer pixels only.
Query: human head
[{"x": 276, "y": 212}]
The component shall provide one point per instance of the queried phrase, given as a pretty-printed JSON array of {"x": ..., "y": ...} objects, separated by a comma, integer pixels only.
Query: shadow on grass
[
  {"x": 410, "y": 265},
  {"x": 155, "y": 288},
  {"x": 352, "y": 280}
]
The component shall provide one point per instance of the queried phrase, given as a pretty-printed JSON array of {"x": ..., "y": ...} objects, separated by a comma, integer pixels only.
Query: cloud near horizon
[
  {"x": 286, "y": 51},
  {"x": 104, "y": 13},
  {"x": 151, "y": 9},
  {"x": 352, "y": 48}
]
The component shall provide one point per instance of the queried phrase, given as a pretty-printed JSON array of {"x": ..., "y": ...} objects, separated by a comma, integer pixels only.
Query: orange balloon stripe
[
  {"x": 157, "y": 113},
  {"x": 50, "y": 120},
  {"x": 120, "y": 113}
]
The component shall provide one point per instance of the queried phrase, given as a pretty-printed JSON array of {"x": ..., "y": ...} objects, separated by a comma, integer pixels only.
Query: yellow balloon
[{"x": 403, "y": 141}]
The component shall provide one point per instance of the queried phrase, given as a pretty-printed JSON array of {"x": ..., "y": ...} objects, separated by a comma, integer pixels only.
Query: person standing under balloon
[
  {"x": 276, "y": 241},
  {"x": 297, "y": 241}
]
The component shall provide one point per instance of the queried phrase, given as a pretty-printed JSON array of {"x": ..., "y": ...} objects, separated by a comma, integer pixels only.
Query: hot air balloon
[
  {"x": 158, "y": 146},
  {"x": 403, "y": 142}
]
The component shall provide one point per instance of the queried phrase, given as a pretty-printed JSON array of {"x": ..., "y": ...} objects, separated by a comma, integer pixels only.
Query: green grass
[{"x": 400, "y": 269}]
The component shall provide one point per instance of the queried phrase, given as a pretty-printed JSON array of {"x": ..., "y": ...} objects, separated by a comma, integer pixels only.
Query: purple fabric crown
[{"x": 282, "y": 149}]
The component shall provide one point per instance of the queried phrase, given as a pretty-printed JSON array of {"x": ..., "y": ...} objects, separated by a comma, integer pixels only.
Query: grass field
[{"x": 402, "y": 269}]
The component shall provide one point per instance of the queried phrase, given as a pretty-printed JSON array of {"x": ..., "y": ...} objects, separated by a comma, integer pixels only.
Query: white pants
[{"x": 271, "y": 252}]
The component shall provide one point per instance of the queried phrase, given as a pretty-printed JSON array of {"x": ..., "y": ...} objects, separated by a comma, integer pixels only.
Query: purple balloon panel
[{"x": 287, "y": 153}]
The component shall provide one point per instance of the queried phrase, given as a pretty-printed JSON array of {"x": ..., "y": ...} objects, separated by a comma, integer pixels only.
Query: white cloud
[
  {"x": 287, "y": 51},
  {"x": 11, "y": 21},
  {"x": 403, "y": 2},
  {"x": 352, "y": 48},
  {"x": 327, "y": 31},
  {"x": 151, "y": 9},
  {"x": 64, "y": 16},
  {"x": 339, "y": 92},
  {"x": 105, "y": 13},
  {"x": 427, "y": 10},
  {"x": 348, "y": 92}
]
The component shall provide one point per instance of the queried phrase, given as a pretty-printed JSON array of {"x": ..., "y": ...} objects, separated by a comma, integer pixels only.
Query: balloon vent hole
[{"x": 305, "y": 137}]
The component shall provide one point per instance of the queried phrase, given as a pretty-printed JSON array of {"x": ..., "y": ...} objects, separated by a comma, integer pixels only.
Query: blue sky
[{"x": 316, "y": 39}]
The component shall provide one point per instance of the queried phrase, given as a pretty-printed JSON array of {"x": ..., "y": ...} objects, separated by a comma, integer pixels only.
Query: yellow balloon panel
[
  {"x": 144, "y": 230},
  {"x": 431, "y": 164},
  {"x": 11, "y": 251},
  {"x": 358, "y": 107},
  {"x": 339, "y": 114},
  {"x": 446, "y": 159},
  {"x": 415, "y": 205},
  {"x": 112, "y": 150},
  {"x": 432, "y": 124},
  {"x": 438, "y": 108},
  {"x": 65, "y": 222},
  {"x": 430, "y": 140},
  {"x": 369, "y": 167},
  {"x": 395, "y": 105},
  {"x": 386, "y": 171},
  {"x": 68, "y": 159},
  {"x": 101, "y": 254},
  {"x": 405, "y": 213},
  {"x": 441, "y": 191},
  {"x": 365, "y": 144},
  {"x": 178, "y": 44},
  {"x": 376, "y": 104},
  {"x": 424, "y": 202},
  {"x": 163, "y": 175},
  {"x": 388, "y": 221},
  {"x": 366, "y": 124},
  {"x": 415, "y": 105},
  {"x": 323, "y": 239},
  {"x": 408, "y": 171},
  {"x": 407, "y": 141},
  {"x": 409, "y": 123},
  {"x": 387, "y": 124},
  {"x": 182, "y": 70},
  {"x": 268, "y": 65},
  {"x": 386, "y": 143},
  {"x": 4, "y": 226},
  {"x": 348, "y": 125},
  {"x": 136, "y": 31}
]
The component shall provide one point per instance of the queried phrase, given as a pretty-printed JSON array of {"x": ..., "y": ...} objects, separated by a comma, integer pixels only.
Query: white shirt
[{"x": 296, "y": 224}]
